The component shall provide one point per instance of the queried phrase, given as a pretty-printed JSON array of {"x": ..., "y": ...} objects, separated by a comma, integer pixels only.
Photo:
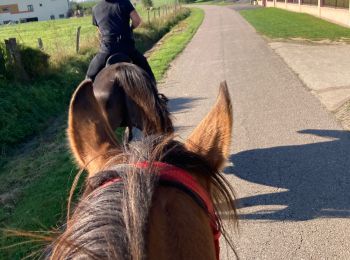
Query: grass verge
[
  {"x": 277, "y": 23},
  {"x": 35, "y": 182},
  {"x": 174, "y": 42}
]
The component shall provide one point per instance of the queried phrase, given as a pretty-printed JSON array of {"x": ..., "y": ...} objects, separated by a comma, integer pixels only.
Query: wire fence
[
  {"x": 60, "y": 37},
  {"x": 325, "y": 3},
  {"x": 335, "y": 3}
]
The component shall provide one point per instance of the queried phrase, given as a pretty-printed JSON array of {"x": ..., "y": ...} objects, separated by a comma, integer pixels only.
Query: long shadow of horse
[{"x": 316, "y": 176}]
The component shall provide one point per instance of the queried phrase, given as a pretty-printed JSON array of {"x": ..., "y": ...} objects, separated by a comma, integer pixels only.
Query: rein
[{"x": 176, "y": 177}]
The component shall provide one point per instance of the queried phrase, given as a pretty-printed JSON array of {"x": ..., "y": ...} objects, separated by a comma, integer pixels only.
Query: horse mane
[{"x": 111, "y": 222}]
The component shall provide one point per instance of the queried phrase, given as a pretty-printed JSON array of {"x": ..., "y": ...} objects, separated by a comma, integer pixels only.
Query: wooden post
[
  {"x": 148, "y": 15},
  {"x": 349, "y": 13},
  {"x": 78, "y": 39},
  {"x": 15, "y": 58},
  {"x": 319, "y": 7},
  {"x": 40, "y": 44},
  {"x": 154, "y": 14},
  {"x": 2, "y": 63},
  {"x": 8, "y": 52}
]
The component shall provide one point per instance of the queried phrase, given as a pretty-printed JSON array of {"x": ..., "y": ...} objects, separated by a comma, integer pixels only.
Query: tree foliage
[{"x": 147, "y": 3}]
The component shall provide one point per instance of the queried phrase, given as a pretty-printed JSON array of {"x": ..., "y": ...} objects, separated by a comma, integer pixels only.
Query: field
[
  {"x": 25, "y": 111},
  {"x": 276, "y": 23},
  {"x": 37, "y": 177},
  {"x": 59, "y": 36}
]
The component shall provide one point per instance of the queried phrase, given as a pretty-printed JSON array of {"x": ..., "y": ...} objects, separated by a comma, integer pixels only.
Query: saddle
[{"x": 117, "y": 58}]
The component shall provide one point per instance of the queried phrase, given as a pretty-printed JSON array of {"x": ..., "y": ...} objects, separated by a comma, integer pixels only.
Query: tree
[{"x": 147, "y": 3}]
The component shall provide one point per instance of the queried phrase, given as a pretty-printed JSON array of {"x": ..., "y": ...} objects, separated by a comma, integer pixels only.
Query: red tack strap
[
  {"x": 173, "y": 173},
  {"x": 110, "y": 182}
]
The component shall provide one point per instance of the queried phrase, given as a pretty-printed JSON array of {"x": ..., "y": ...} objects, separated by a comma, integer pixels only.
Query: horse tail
[{"x": 142, "y": 94}]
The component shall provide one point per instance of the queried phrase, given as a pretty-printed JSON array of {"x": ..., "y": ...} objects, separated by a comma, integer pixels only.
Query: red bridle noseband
[{"x": 173, "y": 174}]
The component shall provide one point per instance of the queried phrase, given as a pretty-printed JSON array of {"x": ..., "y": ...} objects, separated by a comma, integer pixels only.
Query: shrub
[
  {"x": 35, "y": 61},
  {"x": 147, "y": 3}
]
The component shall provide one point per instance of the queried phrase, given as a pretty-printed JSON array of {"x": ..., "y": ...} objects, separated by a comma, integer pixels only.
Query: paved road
[{"x": 291, "y": 166}]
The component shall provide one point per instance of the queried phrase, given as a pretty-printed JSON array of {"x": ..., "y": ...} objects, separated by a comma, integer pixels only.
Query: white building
[{"x": 32, "y": 10}]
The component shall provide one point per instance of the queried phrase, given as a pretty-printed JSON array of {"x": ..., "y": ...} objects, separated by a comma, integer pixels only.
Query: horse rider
[{"x": 112, "y": 18}]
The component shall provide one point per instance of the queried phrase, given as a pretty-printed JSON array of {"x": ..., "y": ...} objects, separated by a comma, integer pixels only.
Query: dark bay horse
[
  {"x": 129, "y": 98},
  {"x": 131, "y": 207}
]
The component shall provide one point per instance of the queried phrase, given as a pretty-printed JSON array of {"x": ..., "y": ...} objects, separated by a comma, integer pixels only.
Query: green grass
[
  {"x": 278, "y": 23},
  {"x": 59, "y": 36},
  {"x": 175, "y": 42},
  {"x": 36, "y": 179},
  {"x": 25, "y": 107}
]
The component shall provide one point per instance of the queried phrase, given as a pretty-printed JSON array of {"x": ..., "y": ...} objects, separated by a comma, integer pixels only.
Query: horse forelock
[{"x": 112, "y": 222}]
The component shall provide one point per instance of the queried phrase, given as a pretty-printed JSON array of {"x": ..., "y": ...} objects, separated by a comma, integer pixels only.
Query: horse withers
[
  {"x": 156, "y": 198},
  {"x": 129, "y": 98}
]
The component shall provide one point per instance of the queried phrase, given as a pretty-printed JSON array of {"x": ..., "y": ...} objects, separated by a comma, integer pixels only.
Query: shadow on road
[
  {"x": 181, "y": 103},
  {"x": 316, "y": 176}
]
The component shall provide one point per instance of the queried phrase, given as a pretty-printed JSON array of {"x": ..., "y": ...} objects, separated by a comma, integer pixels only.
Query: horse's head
[
  {"x": 127, "y": 211},
  {"x": 128, "y": 97}
]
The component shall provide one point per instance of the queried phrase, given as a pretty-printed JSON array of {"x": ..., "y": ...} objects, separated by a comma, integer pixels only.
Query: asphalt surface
[
  {"x": 321, "y": 68},
  {"x": 290, "y": 158}
]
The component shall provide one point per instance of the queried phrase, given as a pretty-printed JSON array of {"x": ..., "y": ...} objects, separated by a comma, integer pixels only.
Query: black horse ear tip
[
  {"x": 84, "y": 90},
  {"x": 86, "y": 81}
]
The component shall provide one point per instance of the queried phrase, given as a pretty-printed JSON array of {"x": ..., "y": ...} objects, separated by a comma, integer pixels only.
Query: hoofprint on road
[{"x": 290, "y": 162}]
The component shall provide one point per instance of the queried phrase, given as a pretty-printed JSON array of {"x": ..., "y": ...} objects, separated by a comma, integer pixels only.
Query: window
[
  {"x": 5, "y": 10},
  {"x": 52, "y": 17},
  {"x": 30, "y": 8},
  {"x": 61, "y": 16}
]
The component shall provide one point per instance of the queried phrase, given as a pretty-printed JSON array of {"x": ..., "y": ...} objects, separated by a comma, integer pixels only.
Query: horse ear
[
  {"x": 90, "y": 137},
  {"x": 212, "y": 137}
]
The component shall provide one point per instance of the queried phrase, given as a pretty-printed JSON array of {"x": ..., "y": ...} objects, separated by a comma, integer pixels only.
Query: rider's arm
[{"x": 135, "y": 19}]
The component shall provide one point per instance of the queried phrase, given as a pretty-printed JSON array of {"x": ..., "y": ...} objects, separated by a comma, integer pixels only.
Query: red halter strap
[{"x": 172, "y": 173}]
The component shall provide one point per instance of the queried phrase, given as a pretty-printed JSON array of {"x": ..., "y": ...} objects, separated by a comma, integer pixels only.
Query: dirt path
[{"x": 291, "y": 166}]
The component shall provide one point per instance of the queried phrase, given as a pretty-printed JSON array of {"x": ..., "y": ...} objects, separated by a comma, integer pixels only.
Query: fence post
[
  {"x": 148, "y": 15},
  {"x": 40, "y": 44},
  {"x": 78, "y": 39},
  {"x": 8, "y": 52},
  {"x": 15, "y": 58}
]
